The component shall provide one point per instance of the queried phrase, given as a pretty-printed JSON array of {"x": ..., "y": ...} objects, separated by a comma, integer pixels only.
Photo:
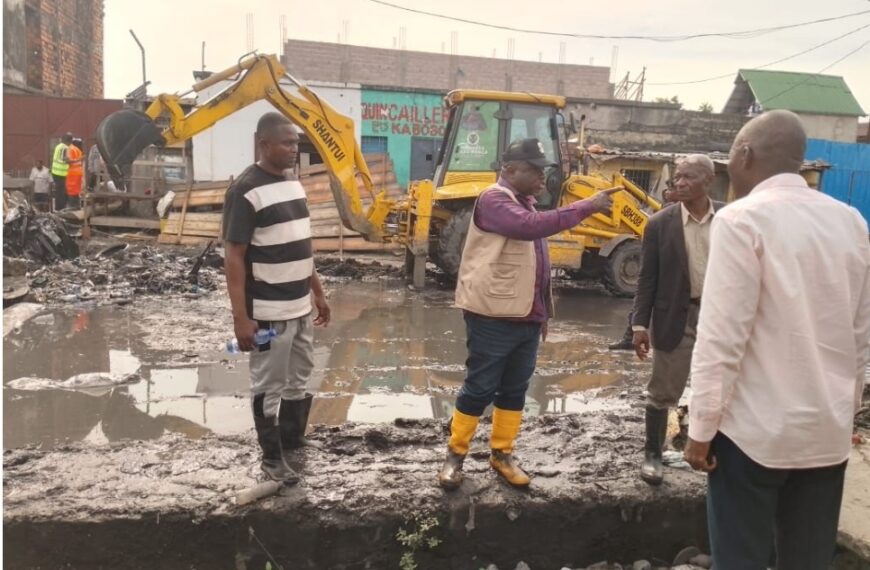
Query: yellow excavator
[{"x": 432, "y": 220}]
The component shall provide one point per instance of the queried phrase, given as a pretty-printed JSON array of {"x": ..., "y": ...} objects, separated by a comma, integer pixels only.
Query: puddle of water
[{"x": 388, "y": 353}]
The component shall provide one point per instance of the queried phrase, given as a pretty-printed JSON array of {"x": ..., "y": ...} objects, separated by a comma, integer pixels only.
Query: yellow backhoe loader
[{"x": 432, "y": 220}]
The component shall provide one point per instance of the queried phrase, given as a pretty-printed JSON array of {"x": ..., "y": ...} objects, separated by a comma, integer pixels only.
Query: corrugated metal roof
[
  {"x": 801, "y": 92},
  {"x": 721, "y": 158}
]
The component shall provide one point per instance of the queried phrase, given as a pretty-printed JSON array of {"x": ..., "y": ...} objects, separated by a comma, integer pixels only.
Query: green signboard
[{"x": 402, "y": 118}]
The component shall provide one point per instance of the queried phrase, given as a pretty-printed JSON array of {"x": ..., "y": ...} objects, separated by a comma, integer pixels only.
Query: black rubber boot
[
  {"x": 293, "y": 418},
  {"x": 652, "y": 470},
  {"x": 626, "y": 343},
  {"x": 273, "y": 464}
]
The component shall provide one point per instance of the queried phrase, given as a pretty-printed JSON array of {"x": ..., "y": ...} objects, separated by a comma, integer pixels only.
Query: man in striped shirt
[{"x": 272, "y": 284}]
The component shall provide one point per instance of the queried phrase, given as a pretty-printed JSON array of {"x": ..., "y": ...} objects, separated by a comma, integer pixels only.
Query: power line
[
  {"x": 819, "y": 72},
  {"x": 800, "y": 53},
  {"x": 745, "y": 34}
]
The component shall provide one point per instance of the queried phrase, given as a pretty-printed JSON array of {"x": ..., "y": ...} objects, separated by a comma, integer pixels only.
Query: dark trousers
[
  {"x": 751, "y": 509},
  {"x": 59, "y": 192},
  {"x": 501, "y": 359},
  {"x": 629, "y": 332}
]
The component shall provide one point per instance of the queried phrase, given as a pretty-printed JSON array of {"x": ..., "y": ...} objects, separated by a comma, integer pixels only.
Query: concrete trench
[{"x": 170, "y": 503}]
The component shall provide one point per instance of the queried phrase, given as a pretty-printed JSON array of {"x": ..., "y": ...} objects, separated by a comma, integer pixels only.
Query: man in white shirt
[
  {"x": 41, "y": 177},
  {"x": 778, "y": 367}
]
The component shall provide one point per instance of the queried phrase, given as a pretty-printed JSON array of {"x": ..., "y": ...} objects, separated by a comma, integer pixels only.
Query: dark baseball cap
[{"x": 528, "y": 150}]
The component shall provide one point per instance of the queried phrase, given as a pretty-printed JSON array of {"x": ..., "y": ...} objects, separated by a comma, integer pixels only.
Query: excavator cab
[{"x": 481, "y": 125}]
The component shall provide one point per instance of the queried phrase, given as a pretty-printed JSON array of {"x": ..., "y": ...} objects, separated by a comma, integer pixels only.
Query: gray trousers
[
  {"x": 671, "y": 369},
  {"x": 282, "y": 368}
]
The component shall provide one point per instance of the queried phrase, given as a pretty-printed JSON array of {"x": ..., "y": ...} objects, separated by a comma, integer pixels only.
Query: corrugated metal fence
[{"x": 848, "y": 179}]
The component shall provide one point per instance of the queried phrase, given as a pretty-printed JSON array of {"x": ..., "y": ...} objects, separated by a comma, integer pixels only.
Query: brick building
[
  {"x": 54, "y": 47},
  {"x": 343, "y": 63}
]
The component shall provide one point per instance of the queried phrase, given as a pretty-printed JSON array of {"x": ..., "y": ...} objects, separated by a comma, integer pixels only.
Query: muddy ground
[
  {"x": 170, "y": 503},
  {"x": 147, "y": 476}
]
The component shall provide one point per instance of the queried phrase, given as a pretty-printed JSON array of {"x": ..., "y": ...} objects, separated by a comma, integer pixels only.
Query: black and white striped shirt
[{"x": 270, "y": 214}]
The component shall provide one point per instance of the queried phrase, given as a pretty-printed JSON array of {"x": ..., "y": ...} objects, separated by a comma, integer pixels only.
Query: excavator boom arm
[{"x": 259, "y": 78}]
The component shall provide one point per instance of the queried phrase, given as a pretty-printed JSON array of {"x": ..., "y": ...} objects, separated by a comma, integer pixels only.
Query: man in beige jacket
[{"x": 504, "y": 291}]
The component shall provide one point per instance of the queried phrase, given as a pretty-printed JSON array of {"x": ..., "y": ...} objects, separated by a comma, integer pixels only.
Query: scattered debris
[
  {"x": 14, "y": 317},
  {"x": 117, "y": 274},
  {"x": 15, "y": 289},
  {"x": 37, "y": 236},
  {"x": 77, "y": 382},
  {"x": 353, "y": 269},
  {"x": 862, "y": 418},
  {"x": 14, "y": 267}
]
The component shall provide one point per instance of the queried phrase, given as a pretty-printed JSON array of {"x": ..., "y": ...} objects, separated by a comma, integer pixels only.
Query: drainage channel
[{"x": 171, "y": 504}]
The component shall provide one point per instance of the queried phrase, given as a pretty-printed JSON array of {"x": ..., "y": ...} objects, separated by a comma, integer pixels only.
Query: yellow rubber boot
[
  {"x": 462, "y": 428},
  {"x": 505, "y": 427}
]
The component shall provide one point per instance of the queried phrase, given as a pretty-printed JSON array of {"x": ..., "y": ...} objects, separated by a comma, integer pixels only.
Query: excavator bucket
[{"x": 121, "y": 137}]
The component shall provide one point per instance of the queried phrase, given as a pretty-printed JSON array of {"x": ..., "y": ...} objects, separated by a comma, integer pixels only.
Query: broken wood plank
[
  {"x": 203, "y": 232},
  {"x": 209, "y": 197},
  {"x": 371, "y": 160},
  {"x": 196, "y": 216},
  {"x": 180, "y": 230},
  {"x": 125, "y": 222},
  {"x": 121, "y": 196},
  {"x": 184, "y": 240}
]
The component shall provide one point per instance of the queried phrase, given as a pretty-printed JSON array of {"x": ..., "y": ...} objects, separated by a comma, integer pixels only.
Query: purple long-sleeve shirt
[{"x": 497, "y": 213}]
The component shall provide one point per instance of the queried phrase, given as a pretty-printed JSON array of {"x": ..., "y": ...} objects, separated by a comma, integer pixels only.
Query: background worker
[
  {"x": 273, "y": 284},
  {"x": 41, "y": 178},
  {"x": 504, "y": 290},
  {"x": 59, "y": 169},
  {"x": 75, "y": 173},
  {"x": 94, "y": 166},
  {"x": 779, "y": 365},
  {"x": 673, "y": 263}
]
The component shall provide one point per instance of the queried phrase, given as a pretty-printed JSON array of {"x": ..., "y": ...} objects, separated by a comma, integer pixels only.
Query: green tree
[
  {"x": 706, "y": 107},
  {"x": 671, "y": 100}
]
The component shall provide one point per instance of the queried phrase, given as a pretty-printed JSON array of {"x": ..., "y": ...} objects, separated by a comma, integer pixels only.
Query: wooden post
[{"x": 184, "y": 212}]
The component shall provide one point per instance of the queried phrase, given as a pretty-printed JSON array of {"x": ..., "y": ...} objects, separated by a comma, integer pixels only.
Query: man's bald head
[{"x": 770, "y": 144}]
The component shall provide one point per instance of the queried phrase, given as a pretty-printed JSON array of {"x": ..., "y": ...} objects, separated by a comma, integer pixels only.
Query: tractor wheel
[
  {"x": 451, "y": 241},
  {"x": 622, "y": 270}
]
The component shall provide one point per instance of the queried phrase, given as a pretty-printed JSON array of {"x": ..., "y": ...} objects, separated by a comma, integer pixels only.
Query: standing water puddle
[{"x": 388, "y": 353}]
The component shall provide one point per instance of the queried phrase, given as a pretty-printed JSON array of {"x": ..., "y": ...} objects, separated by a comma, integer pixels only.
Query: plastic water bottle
[{"x": 262, "y": 336}]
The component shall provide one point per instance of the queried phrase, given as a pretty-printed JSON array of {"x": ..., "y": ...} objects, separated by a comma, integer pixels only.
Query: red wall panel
[{"x": 31, "y": 122}]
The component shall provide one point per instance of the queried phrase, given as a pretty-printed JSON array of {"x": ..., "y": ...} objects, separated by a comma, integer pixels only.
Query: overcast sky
[{"x": 172, "y": 32}]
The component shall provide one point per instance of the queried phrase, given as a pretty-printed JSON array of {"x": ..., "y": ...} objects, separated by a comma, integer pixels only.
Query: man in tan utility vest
[{"x": 504, "y": 292}]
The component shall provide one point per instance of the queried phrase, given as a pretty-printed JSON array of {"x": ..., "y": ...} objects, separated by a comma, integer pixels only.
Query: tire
[
  {"x": 622, "y": 269},
  {"x": 451, "y": 241}
]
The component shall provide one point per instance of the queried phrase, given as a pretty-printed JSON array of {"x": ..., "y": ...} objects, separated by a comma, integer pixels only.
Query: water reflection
[{"x": 388, "y": 353}]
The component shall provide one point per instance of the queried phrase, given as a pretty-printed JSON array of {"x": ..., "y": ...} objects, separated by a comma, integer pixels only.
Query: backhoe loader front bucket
[{"x": 121, "y": 137}]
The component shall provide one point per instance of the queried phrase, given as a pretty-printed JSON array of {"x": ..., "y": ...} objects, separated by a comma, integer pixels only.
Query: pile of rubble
[
  {"x": 37, "y": 236},
  {"x": 117, "y": 274},
  {"x": 862, "y": 418},
  {"x": 353, "y": 269},
  {"x": 689, "y": 558}
]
